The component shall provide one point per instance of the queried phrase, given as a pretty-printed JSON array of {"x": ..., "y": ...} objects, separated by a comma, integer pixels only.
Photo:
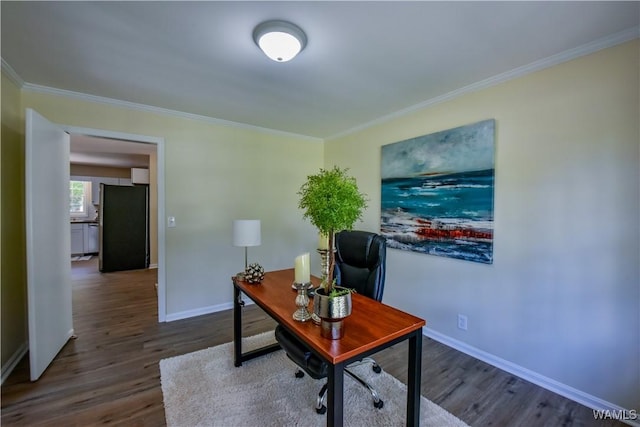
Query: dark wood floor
[{"x": 110, "y": 373}]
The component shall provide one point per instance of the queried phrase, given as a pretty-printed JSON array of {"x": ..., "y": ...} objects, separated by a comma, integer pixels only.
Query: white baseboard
[
  {"x": 13, "y": 361},
  {"x": 569, "y": 392},
  {"x": 203, "y": 310},
  {"x": 152, "y": 266}
]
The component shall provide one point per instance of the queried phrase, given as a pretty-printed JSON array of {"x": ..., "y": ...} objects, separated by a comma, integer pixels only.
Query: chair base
[
  {"x": 378, "y": 403},
  {"x": 374, "y": 365}
]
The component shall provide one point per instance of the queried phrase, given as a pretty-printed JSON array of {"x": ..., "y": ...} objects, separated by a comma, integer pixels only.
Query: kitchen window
[{"x": 79, "y": 199}]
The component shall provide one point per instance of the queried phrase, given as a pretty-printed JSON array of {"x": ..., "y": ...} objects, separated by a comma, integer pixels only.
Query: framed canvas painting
[{"x": 437, "y": 193}]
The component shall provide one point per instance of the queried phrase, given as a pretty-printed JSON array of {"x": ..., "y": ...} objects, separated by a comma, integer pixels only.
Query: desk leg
[
  {"x": 414, "y": 379},
  {"x": 237, "y": 327},
  {"x": 335, "y": 394}
]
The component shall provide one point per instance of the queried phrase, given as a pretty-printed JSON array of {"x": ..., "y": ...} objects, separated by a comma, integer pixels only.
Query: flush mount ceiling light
[{"x": 280, "y": 40}]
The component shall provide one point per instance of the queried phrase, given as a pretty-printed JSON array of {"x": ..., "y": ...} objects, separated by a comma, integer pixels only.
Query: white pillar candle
[
  {"x": 302, "y": 270},
  {"x": 323, "y": 241}
]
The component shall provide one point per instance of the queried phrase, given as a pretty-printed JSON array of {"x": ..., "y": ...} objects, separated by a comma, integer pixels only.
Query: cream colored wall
[
  {"x": 13, "y": 285},
  {"x": 213, "y": 175},
  {"x": 562, "y": 298}
]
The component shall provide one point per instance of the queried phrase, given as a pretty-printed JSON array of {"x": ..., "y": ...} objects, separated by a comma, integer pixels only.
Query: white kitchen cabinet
[
  {"x": 90, "y": 238},
  {"x": 95, "y": 187},
  {"x": 95, "y": 191},
  {"x": 77, "y": 239},
  {"x": 139, "y": 176},
  {"x": 84, "y": 238}
]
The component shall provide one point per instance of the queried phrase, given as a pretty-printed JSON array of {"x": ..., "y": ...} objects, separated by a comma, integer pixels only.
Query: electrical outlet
[{"x": 462, "y": 322}]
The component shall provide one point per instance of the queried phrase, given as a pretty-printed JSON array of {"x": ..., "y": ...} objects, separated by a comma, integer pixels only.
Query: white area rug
[{"x": 205, "y": 389}]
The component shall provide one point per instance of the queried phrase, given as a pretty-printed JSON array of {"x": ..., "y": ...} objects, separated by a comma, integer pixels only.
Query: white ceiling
[{"x": 364, "y": 60}]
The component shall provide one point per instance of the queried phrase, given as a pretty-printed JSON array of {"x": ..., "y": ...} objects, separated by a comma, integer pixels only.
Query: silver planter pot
[
  {"x": 331, "y": 308},
  {"x": 332, "y": 312}
]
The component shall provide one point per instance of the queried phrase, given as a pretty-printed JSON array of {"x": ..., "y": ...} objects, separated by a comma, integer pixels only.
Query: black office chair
[{"x": 360, "y": 265}]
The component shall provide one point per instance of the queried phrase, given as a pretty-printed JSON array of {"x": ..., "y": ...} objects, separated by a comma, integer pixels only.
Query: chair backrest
[{"x": 360, "y": 262}]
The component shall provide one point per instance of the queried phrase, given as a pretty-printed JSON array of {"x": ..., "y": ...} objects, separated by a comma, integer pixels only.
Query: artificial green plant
[{"x": 332, "y": 202}]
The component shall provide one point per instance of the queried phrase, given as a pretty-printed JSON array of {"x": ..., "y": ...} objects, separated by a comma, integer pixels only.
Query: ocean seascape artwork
[{"x": 437, "y": 193}]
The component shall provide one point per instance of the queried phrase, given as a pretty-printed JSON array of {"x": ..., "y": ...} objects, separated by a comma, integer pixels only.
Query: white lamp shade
[
  {"x": 246, "y": 232},
  {"x": 281, "y": 47},
  {"x": 280, "y": 40}
]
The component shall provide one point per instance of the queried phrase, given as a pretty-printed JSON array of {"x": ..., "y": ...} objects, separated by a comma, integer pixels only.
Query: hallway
[{"x": 110, "y": 373}]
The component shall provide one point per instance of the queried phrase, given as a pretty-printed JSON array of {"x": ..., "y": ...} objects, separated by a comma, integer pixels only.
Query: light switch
[{"x": 171, "y": 221}]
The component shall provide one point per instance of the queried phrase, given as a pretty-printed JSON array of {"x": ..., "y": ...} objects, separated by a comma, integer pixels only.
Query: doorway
[
  {"x": 48, "y": 233},
  {"x": 117, "y": 149},
  {"x": 125, "y": 164}
]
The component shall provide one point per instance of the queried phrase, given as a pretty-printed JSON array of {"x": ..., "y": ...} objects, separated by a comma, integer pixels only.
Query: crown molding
[
  {"x": 158, "y": 110},
  {"x": 11, "y": 74},
  {"x": 568, "y": 55}
]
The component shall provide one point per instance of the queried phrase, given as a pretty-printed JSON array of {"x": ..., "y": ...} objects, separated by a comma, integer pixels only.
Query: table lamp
[{"x": 246, "y": 232}]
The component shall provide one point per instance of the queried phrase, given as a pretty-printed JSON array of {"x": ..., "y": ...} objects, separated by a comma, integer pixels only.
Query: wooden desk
[{"x": 371, "y": 327}]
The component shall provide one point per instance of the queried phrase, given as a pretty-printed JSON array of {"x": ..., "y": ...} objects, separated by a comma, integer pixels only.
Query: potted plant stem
[{"x": 332, "y": 202}]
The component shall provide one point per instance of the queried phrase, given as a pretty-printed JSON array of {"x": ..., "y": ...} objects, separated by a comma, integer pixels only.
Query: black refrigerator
[{"x": 124, "y": 227}]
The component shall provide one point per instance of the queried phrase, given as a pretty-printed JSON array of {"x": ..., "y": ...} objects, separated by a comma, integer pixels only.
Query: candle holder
[{"x": 302, "y": 301}]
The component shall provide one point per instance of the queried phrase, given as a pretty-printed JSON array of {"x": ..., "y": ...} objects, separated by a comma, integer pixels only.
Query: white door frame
[{"x": 159, "y": 142}]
